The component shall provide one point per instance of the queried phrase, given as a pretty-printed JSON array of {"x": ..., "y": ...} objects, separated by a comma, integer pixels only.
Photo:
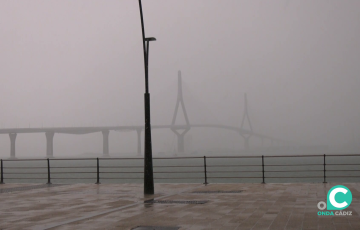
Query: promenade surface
[{"x": 121, "y": 206}]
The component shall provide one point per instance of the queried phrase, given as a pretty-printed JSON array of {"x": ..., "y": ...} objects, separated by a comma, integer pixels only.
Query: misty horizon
[{"x": 80, "y": 64}]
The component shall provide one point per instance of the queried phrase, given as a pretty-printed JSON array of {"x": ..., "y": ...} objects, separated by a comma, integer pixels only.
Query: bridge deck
[
  {"x": 87, "y": 130},
  {"x": 121, "y": 206}
]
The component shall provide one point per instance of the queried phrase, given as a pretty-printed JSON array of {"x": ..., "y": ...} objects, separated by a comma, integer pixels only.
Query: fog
[{"x": 80, "y": 63}]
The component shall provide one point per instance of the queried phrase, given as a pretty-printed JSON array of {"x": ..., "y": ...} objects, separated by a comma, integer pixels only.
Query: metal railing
[{"x": 210, "y": 171}]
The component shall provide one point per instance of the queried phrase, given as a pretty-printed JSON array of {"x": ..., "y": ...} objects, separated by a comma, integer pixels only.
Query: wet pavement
[{"x": 182, "y": 206}]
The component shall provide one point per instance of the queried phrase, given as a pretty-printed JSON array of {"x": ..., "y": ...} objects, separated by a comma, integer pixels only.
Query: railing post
[
  {"x": 205, "y": 171},
  {"x": 2, "y": 173},
  {"x": 263, "y": 170},
  {"x": 97, "y": 171},
  {"x": 324, "y": 171},
  {"x": 48, "y": 166}
]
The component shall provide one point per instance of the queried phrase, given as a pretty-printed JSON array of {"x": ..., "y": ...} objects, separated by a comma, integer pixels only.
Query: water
[{"x": 186, "y": 170}]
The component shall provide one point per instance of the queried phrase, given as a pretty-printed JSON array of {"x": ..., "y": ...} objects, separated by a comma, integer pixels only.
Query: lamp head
[{"x": 150, "y": 39}]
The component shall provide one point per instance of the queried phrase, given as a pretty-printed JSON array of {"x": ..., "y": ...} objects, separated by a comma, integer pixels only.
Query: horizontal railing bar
[
  {"x": 73, "y": 167},
  {"x": 51, "y": 159},
  {"x": 121, "y": 172},
  {"x": 170, "y": 166},
  {"x": 21, "y": 173},
  {"x": 25, "y": 167},
  {"x": 180, "y": 178},
  {"x": 237, "y": 177},
  {"x": 156, "y": 178},
  {"x": 65, "y": 159},
  {"x": 77, "y": 178},
  {"x": 175, "y": 166},
  {"x": 119, "y": 178},
  {"x": 156, "y": 172},
  {"x": 119, "y": 158},
  {"x": 294, "y": 156},
  {"x": 70, "y": 172},
  {"x": 342, "y": 176},
  {"x": 296, "y": 177},
  {"x": 32, "y": 178},
  {"x": 162, "y": 158},
  {"x": 182, "y": 172},
  {"x": 314, "y": 155},
  {"x": 214, "y": 157},
  {"x": 116, "y": 167},
  {"x": 342, "y": 164},
  {"x": 230, "y": 171},
  {"x": 229, "y": 165},
  {"x": 185, "y": 172},
  {"x": 294, "y": 165},
  {"x": 39, "y": 159},
  {"x": 342, "y": 170},
  {"x": 298, "y": 171}
]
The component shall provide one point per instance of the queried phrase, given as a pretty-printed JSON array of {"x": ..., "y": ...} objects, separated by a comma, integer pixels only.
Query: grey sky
[{"x": 80, "y": 63}]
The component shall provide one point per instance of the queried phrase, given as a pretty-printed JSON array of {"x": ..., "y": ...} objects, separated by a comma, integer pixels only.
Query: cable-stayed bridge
[{"x": 179, "y": 130}]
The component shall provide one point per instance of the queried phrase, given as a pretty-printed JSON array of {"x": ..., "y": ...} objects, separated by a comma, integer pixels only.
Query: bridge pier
[
  {"x": 49, "y": 144},
  {"x": 180, "y": 139},
  {"x": 12, "y": 144},
  {"x": 138, "y": 131},
  {"x": 181, "y": 142},
  {"x": 105, "y": 134}
]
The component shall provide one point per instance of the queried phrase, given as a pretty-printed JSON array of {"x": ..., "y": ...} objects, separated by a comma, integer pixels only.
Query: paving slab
[{"x": 124, "y": 206}]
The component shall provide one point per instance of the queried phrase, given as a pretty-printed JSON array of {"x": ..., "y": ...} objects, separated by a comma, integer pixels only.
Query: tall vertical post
[
  {"x": 148, "y": 166},
  {"x": 97, "y": 171},
  {"x": 2, "y": 173},
  {"x": 48, "y": 167},
  {"x": 263, "y": 170},
  {"x": 324, "y": 170},
  {"x": 12, "y": 144},
  {"x": 205, "y": 171}
]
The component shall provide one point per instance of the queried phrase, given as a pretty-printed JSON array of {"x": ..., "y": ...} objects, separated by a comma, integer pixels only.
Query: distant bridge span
[
  {"x": 179, "y": 130},
  {"x": 90, "y": 129},
  {"x": 49, "y": 133}
]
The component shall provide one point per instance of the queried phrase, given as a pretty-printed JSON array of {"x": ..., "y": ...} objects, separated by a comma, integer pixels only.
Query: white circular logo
[
  {"x": 332, "y": 198},
  {"x": 321, "y": 205}
]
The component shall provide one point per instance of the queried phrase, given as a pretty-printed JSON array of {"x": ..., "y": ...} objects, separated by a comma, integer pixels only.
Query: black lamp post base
[{"x": 148, "y": 165}]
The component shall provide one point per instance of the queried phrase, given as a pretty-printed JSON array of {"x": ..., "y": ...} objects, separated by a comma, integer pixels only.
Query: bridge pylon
[
  {"x": 247, "y": 117},
  {"x": 180, "y": 101}
]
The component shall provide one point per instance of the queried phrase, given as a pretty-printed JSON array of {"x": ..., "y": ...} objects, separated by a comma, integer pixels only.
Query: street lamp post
[{"x": 148, "y": 166}]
